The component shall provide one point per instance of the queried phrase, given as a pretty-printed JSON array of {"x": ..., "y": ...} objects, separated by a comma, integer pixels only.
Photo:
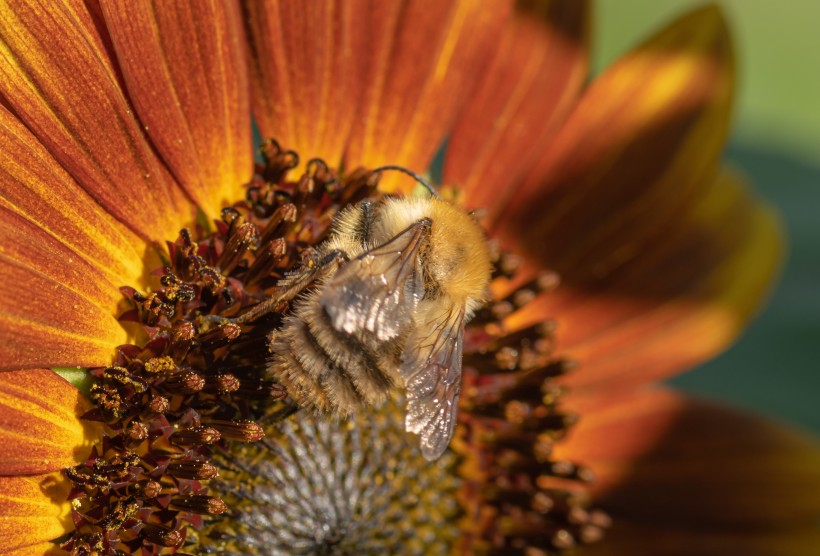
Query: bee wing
[
  {"x": 431, "y": 368},
  {"x": 377, "y": 291}
]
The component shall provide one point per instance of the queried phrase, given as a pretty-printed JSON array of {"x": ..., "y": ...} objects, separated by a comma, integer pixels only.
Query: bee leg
[{"x": 294, "y": 286}]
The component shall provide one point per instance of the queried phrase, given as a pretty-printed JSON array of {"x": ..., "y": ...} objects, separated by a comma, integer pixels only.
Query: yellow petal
[
  {"x": 676, "y": 470},
  {"x": 185, "y": 71},
  {"x": 40, "y": 426},
  {"x": 532, "y": 80},
  {"x": 645, "y": 136},
  {"x": 57, "y": 77},
  {"x": 36, "y": 189},
  {"x": 34, "y": 511}
]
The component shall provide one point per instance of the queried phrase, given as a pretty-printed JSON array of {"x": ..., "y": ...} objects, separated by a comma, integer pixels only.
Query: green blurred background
[{"x": 774, "y": 369}]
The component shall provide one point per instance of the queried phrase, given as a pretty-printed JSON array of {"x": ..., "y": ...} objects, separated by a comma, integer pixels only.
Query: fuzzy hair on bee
[{"x": 390, "y": 292}]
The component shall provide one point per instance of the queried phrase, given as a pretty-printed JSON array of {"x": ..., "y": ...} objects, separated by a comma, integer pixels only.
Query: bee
[{"x": 392, "y": 288}]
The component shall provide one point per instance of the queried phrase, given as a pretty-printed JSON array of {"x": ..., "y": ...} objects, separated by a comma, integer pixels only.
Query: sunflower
[{"x": 625, "y": 254}]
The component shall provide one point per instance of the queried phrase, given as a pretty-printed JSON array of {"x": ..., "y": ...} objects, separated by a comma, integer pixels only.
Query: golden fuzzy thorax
[{"x": 458, "y": 261}]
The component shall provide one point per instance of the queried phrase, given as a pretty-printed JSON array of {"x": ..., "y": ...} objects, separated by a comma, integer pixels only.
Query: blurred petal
[
  {"x": 56, "y": 76},
  {"x": 650, "y": 540},
  {"x": 661, "y": 109},
  {"x": 34, "y": 511},
  {"x": 534, "y": 76},
  {"x": 40, "y": 426},
  {"x": 661, "y": 263},
  {"x": 672, "y": 469},
  {"x": 184, "y": 66},
  {"x": 670, "y": 303},
  {"x": 308, "y": 61},
  {"x": 425, "y": 59}
]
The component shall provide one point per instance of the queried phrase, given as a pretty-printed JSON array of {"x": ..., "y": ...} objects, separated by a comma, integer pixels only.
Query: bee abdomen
[{"x": 323, "y": 368}]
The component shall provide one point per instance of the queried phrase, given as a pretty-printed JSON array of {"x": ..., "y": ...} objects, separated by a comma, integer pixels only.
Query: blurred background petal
[{"x": 776, "y": 144}]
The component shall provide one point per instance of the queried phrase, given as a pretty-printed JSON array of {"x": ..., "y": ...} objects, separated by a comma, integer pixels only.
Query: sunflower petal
[
  {"x": 425, "y": 58},
  {"x": 56, "y": 76},
  {"x": 661, "y": 262},
  {"x": 37, "y": 190},
  {"x": 671, "y": 303},
  {"x": 184, "y": 67},
  {"x": 534, "y": 76},
  {"x": 307, "y": 67},
  {"x": 40, "y": 426},
  {"x": 649, "y": 130},
  {"x": 34, "y": 511},
  {"x": 39, "y": 549},
  {"x": 672, "y": 469},
  {"x": 63, "y": 260}
]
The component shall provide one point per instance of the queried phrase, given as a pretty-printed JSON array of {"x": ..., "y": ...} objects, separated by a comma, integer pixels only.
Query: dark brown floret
[
  {"x": 197, "y": 383},
  {"x": 182, "y": 409},
  {"x": 519, "y": 499}
]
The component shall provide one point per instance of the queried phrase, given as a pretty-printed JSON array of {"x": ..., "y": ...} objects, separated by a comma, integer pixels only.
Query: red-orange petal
[
  {"x": 676, "y": 469},
  {"x": 34, "y": 511},
  {"x": 672, "y": 302},
  {"x": 36, "y": 189},
  {"x": 57, "y": 77},
  {"x": 661, "y": 261},
  {"x": 185, "y": 70},
  {"x": 308, "y": 62},
  {"x": 533, "y": 78},
  {"x": 645, "y": 135},
  {"x": 63, "y": 260},
  {"x": 40, "y": 426},
  {"x": 424, "y": 58}
]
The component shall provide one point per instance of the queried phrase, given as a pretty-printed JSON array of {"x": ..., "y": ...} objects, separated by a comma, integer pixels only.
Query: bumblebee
[{"x": 390, "y": 292}]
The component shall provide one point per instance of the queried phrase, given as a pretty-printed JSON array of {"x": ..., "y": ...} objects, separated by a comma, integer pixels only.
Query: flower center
[
  {"x": 327, "y": 486},
  {"x": 196, "y": 427}
]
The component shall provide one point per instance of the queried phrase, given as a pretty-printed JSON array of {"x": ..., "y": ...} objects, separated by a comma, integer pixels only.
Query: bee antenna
[{"x": 413, "y": 175}]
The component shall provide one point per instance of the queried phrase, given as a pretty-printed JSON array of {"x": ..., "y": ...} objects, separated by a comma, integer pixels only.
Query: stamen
[
  {"x": 198, "y": 470},
  {"x": 510, "y": 410},
  {"x": 198, "y": 504}
]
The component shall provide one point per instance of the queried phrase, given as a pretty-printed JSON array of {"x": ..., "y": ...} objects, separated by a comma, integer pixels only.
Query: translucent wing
[
  {"x": 378, "y": 291},
  {"x": 431, "y": 368}
]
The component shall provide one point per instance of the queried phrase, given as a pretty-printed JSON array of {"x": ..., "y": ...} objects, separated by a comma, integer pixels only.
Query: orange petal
[
  {"x": 40, "y": 549},
  {"x": 672, "y": 468},
  {"x": 56, "y": 76},
  {"x": 35, "y": 189},
  {"x": 661, "y": 262},
  {"x": 186, "y": 74},
  {"x": 40, "y": 426},
  {"x": 640, "y": 540},
  {"x": 63, "y": 259},
  {"x": 669, "y": 303},
  {"x": 425, "y": 57},
  {"x": 307, "y": 65},
  {"x": 644, "y": 135},
  {"x": 34, "y": 511},
  {"x": 534, "y": 76}
]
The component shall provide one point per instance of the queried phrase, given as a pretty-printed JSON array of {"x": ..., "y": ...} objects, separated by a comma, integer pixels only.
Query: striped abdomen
[{"x": 329, "y": 370}]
